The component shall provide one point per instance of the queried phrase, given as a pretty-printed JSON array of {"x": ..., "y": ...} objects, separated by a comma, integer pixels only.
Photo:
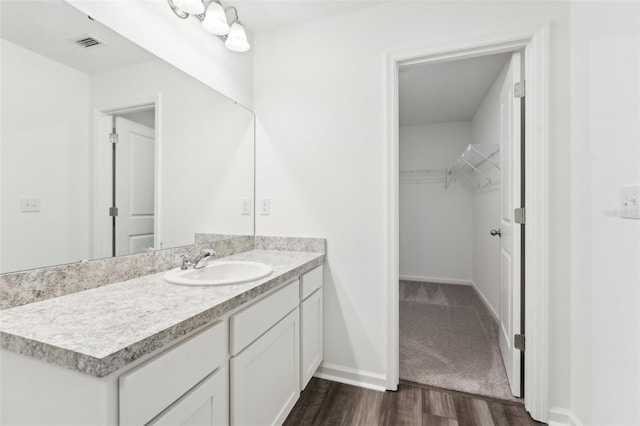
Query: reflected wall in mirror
[{"x": 183, "y": 162}]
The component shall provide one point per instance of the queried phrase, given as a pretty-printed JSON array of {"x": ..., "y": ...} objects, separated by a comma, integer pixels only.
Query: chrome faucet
[{"x": 200, "y": 260}]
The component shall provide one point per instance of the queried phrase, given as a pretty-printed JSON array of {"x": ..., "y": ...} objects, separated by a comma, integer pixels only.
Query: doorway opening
[
  {"x": 459, "y": 288},
  {"x": 534, "y": 44},
  {"x": 126, "y": 153}
]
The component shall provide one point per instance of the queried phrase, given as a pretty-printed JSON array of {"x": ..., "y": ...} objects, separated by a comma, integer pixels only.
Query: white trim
[
  {"x": 351, "y": 376},
  {"x": 490, "y": 308},
  {"x": 129, "y": 105},
  {"x": 537, "y": 227},
  {"x": 157, "y": 214},
  {"x": 100, "y": 195},
  {"x": 563, "y": 417},
  {"x": 535, "y": 41},
  {"x": 436, "y": 280},
  {"x": 392, "y": 245}
]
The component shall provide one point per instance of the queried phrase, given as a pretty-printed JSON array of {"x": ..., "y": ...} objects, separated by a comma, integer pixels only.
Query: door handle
[{"x": 495, "y": 232}]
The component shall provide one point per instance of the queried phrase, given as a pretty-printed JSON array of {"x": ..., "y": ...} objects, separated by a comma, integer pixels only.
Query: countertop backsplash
[
  {"x": 20, "y": 288},
  {"x": 312, "y": 245},
  {"x": 23, "y": 287}
]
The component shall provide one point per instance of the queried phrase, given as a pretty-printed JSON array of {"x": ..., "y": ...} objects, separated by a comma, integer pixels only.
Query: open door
[
  {"x": 135, "y": 183},
  {"x": 510, "y": 241}
]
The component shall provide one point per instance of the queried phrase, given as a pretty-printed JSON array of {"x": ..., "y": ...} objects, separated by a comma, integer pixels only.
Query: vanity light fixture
[{"x": 214, "y": 20}]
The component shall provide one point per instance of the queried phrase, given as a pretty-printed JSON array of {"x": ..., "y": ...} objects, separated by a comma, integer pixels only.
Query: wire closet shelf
[{"x": 477, "y": 168}]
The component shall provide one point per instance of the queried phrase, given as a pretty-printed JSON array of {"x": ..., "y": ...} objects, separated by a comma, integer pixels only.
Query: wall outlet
[
  {"x": 245, "y": 206},
  {"x": 265, "y": 206},
  {"x": 630, "y": 202},
  {"x": 29, "y": 204}
]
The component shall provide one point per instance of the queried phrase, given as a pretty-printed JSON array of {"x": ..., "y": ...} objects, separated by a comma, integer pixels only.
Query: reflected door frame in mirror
[{"x": 103, "y": 182}]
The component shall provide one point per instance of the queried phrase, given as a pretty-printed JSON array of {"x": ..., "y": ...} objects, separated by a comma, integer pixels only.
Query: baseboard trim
[
  {"x": 437, "y": 280},
  {"x": 486, "y": 302},
  {"x": 351, "y": 376},
  {"x": 563, "y": 417}
]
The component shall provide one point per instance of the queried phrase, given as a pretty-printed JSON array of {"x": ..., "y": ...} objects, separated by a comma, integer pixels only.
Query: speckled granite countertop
[{"x": 101, "y": 330}]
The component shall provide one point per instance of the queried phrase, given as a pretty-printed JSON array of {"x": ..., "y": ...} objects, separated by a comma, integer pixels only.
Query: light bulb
[
  {"x": 237, "y": 38},
  {"x": 215, "y": 21},
  {"x": 193, "y": 7}
]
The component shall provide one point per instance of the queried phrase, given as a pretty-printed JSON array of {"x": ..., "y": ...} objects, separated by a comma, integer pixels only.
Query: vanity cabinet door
[
  {"x": 265, "y": 376},
  {"x": 311, "y": 340},
  {"x": 207, "y": 404}
]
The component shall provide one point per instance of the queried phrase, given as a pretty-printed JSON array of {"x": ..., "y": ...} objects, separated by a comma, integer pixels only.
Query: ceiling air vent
[{"x": 86, "y": 41}]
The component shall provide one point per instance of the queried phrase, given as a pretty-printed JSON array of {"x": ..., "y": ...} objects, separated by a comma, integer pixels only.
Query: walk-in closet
[{"x": 456, "y": 135}]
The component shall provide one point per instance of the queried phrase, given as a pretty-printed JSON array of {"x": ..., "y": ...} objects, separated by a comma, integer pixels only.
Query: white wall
[
  {"x": 320, "y": 101},
  {"x": 206, "y": 163},
  {"x": 435, "y": 223},
  {"x": 605, "y": 261},
  {"x": 182, "y": 43},
  {"x": 45, "y": 135},
  {"x": 486, "y": 129}
]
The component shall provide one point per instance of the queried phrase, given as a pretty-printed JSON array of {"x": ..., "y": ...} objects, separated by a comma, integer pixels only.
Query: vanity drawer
[
  {"x": 153, "y": 386},
  {"x": 249, "y": 324},
  {"x": 310, "y": 282}
]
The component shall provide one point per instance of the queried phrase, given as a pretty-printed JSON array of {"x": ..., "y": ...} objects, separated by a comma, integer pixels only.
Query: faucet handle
[{"x": 186, "y": 260}]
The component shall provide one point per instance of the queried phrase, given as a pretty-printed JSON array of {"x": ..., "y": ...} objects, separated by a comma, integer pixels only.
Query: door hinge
[
  {"x": 113, "y": 211},
  {"x": 519, "y": 89},
  {"x": 113, "y": 137},
  {"x": 520, "y": 215},
  {"x": 518, "y": 342}
]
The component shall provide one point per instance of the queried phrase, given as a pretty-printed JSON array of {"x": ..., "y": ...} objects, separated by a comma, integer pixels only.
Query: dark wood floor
[{"x": 330, "y": 403}]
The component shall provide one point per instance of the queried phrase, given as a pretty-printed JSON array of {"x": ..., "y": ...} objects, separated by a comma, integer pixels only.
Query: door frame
[
  {"x": 102, "y": 169},
  {"x": 535, "y": 43}
]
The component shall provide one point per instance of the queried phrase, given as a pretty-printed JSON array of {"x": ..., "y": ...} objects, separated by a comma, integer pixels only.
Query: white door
[
  {"x": 135, "y": 186},
  {"x": 511, "y": 232}
]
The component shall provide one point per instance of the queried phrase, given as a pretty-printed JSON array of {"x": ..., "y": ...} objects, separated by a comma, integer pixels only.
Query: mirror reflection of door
[{"x": 134, "y": 170}]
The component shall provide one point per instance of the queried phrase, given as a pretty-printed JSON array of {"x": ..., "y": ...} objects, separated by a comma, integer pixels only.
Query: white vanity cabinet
[
  {"x": 311, "y": 319},
  {"x": 179, "y": 384},
  {"x": 265, "y": 362},
  {"x": 247, "y": 368}
]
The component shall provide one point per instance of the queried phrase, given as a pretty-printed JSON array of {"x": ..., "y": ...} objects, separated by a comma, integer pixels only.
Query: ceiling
[
  {"x": 446, "y": 91},
  {"x": 46, "y": 27},
  {"x": 266, "y": 15}
]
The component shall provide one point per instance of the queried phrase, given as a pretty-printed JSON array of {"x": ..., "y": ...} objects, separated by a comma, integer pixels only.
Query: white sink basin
[{"x": 219, "y": 273}]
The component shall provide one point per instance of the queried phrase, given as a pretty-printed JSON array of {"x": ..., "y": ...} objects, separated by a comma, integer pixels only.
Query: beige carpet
[{"x": 449, "y": 339}]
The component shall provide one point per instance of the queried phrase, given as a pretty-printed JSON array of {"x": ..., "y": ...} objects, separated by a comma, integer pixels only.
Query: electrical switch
[
  {"x": 29, "y": 204},
  {"x": 245, "y": 206},
  {"x": 265, "y": 206},
  {"x": 630, "y": 202}
]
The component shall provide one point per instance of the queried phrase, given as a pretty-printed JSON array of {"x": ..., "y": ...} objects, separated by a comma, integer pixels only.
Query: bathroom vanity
[{"x": 145, "y": 351}]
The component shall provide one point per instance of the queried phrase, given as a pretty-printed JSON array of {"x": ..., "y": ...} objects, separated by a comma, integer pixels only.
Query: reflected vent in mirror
[{"x": 86, "y": 41}]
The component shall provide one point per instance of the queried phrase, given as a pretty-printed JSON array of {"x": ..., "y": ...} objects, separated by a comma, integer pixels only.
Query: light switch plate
[
  {"x": 630, "y": 202},
  {"x": 265, "y": 206},
  {"x": 245, "y": 206},
  {"x": 29, "y": 204}
]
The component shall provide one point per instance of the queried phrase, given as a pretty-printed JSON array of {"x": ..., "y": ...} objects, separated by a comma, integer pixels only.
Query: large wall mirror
[{"x": 182, "y": 162}]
